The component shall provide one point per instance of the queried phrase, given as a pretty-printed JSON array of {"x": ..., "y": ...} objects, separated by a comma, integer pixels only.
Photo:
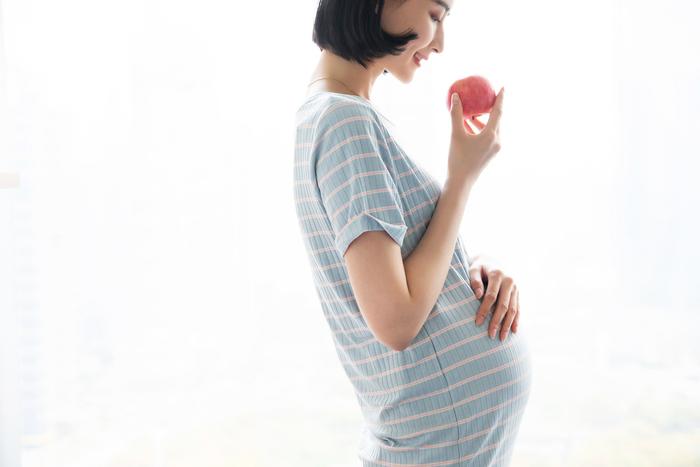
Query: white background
[{"x": 156, "y": 303}]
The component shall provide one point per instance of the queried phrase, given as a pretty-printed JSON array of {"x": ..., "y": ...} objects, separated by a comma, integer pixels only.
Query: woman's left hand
[{"x": 501, "y": 288}]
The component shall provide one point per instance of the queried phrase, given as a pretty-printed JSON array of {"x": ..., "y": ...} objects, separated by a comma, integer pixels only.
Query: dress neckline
[
  {"x": 316, "y": 93},
  {"x": 356, "y": 97}
]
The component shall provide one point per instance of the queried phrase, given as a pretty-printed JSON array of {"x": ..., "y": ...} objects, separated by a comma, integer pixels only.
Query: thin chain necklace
[{"x": 328, "y": 77}]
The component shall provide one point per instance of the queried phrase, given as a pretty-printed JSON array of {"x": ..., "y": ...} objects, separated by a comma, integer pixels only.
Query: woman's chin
[{"x": 407, "y": 76}]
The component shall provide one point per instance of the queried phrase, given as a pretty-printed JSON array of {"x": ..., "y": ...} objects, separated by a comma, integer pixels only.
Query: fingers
[
  {"x": 468, "y": 128},
  {"x": 502, "y": 306},
  {"x": 517, "y": 311},
  {"x": 489, "y": 297},
  {"x": 503, "y": 293},
  {"x": 474, "y": 122},
  {"x": 477, "y": 123},
  {"x": 496, "y": 111},
  {"x": 510, "y": 316},
  {"x": 475, "y": 279},
  {"x": 456, "y": 112}
]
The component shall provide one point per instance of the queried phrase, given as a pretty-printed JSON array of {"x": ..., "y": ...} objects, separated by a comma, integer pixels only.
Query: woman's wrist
[{"x": 461, "y": 186}]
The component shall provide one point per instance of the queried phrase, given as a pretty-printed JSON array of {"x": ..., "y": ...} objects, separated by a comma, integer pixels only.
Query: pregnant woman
[{"x": 440, "y": 374}]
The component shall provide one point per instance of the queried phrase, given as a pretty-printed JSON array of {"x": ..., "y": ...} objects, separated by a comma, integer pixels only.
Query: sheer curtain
[{"x": 157, "y": 306}]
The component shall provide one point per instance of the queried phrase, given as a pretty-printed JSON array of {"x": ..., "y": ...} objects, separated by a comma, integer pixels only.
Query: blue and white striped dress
[{"x": 454, "y": 397}]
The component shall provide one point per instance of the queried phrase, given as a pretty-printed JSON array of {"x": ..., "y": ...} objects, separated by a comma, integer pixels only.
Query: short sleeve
[{"x": 352, "y": 173}]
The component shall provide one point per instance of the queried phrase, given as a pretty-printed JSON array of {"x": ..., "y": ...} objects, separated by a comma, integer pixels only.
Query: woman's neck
[{"x": 359, "y": 80}]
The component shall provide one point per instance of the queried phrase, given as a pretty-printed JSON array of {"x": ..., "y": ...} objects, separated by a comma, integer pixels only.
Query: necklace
[{"x": 328, "y": 77}]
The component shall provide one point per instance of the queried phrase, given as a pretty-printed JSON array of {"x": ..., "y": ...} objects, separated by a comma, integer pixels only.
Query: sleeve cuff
[{"x": 365, "y": 222}]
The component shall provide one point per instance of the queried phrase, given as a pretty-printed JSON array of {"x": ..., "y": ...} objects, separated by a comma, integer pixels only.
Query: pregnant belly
[
  {"x": 489, "y": 380},
  {"x": 465, "y": 392}
]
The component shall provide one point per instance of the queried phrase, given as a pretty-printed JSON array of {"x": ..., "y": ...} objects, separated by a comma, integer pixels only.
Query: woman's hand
[
  {"x": 470, "y": 152},
  {"x": 500, "y": 290}
]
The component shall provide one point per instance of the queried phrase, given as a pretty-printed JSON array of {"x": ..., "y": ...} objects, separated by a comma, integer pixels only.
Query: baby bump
[
  {"x": 489, "y": 379},
  {"x": 472, "y": 361},
  {"x": 473, "y": 397}
]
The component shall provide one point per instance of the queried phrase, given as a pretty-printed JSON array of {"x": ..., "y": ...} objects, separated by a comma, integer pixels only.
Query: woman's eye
[{"x": 435, "y": 18}]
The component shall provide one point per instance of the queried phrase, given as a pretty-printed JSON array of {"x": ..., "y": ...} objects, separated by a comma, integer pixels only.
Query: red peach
[{"x": 476, "y": 94}]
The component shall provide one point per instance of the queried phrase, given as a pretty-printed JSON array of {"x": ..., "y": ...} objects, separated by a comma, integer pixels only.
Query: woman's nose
[{"x": 437, "y": 44}]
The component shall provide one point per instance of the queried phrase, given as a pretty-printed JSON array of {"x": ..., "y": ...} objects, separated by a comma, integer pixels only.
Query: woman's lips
[{"x": 416, "y": 60}]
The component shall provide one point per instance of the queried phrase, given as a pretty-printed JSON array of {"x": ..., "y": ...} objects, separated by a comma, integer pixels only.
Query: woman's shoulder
[{"x": 325, "y": 108}]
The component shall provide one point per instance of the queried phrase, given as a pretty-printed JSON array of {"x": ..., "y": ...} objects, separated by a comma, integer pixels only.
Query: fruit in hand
[{"x": 476, "y": 94}]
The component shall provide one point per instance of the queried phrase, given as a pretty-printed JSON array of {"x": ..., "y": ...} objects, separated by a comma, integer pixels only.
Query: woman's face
[{"x": 425, "y": 18}]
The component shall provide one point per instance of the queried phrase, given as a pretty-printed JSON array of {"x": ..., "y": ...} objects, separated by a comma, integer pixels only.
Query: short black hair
[{"x": 352, "y": 30}]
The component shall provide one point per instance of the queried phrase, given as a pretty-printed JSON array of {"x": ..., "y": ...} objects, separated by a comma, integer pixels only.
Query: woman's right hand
[{"x": 469, "y": 152}]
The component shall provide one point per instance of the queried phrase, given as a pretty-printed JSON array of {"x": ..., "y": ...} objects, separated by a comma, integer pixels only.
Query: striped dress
[{"x": 454, "y": 397}]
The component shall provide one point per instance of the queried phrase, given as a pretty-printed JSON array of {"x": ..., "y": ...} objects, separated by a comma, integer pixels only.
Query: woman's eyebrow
[{"x": 444, "y": 5}]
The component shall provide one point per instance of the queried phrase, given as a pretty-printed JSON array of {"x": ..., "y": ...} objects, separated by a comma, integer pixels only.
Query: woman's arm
[
  {"x": 427, "y": 266},
  {"x": 395, "y": 296}
]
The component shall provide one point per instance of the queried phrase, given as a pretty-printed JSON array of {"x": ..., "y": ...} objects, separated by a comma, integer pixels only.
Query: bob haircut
[{"x": 352, "y": 30}]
